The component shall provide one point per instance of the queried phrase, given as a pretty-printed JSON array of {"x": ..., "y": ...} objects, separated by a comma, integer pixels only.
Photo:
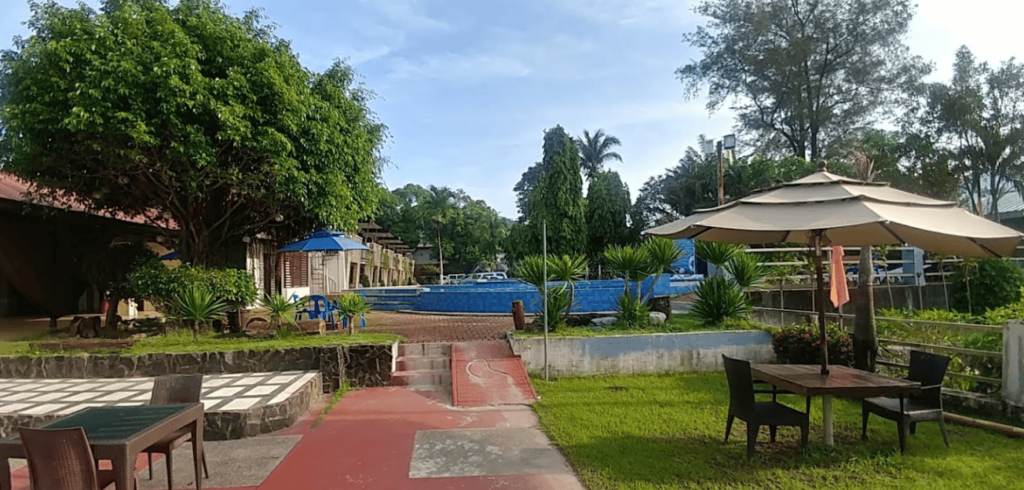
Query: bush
[
  {"x": 196, "y": 306},
  {"x": 558, "y": 302},
  {"x": 718, "y": 299},
  {"x": 154, "y": 282},
  {"x": 801, "y": 344},
  {"x": 633, "y": 312},
  {"x": 992, "y": 283}
]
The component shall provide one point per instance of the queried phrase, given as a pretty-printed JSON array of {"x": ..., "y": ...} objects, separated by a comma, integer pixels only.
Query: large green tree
[
  {"x": 976, "y": 124},
  {"x": 467, "y": 231},
  {"x": 802, "y": 75},
  {"x": 595, "y": 150},
  {"x": 608, "y": 207},
  {"x": 558, "y": 198},
  {"x": 190, "y": 115}
]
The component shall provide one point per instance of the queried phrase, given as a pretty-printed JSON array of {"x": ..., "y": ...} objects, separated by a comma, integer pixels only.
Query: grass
[
  {"x": 345, "y": 388},
  {"x": 665, "y": 432},
  {"x": 680, "y": 322},
  {"x": 182, "y": 341}
]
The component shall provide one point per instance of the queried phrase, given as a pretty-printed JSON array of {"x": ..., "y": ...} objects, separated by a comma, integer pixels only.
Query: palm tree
[{"x": 595, "y": 150}]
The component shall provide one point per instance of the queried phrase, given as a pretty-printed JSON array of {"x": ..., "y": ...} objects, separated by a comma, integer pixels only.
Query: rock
[
  {"x": 657, "y": 318},
  {"x": 604, "y": 321}
]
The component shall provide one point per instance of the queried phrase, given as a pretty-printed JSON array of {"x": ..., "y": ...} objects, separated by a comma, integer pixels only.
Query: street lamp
[{"x": 728, "y": 143}]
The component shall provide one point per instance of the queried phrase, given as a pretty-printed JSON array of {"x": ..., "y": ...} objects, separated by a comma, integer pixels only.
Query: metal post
[
  {"x": 820, "y": 293},
  {"x": 721, "y": 177},
  {"x": 545, "y": 273},
  {"x": 440, "y": 254}
]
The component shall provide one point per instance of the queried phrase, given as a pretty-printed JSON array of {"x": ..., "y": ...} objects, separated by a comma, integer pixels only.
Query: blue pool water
[{"x": 497, "y": 296}]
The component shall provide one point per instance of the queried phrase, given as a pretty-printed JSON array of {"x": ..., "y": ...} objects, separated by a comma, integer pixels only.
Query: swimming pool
[{"x": 497, "y": 296}]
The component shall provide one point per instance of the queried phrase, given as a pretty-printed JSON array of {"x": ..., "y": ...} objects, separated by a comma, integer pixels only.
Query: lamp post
[{"x": 728, "y": 143}]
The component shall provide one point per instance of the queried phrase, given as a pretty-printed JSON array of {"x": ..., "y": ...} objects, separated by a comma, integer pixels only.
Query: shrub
[
  {"x": 801, "y": 344},
  {"x": 633, "y": 312},
  {"x": 746, "y": 270},
  {"x": 281, "y": 310},
  {"x": 718, "y": 299},
  {"x": 715, "y": 253},
  {"x": 154, "y": 282},
  {"x": 353, "y": 306},
  {"x": 196, "y": 306},
  {"x": 558, "y": 301},
  {"x": 986, "y": 284}
]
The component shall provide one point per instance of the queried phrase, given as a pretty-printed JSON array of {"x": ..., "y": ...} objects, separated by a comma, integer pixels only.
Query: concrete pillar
[
  {"x": 1013, "y": 362},
  {"x": 916, "y": 256}
]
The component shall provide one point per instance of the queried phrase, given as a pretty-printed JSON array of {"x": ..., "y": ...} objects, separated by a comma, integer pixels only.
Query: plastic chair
[
  {"x": 929, "y": 370},
  {"x": 169, "y": 390},
  {"x": 756, "y": 414},
  {"x": 60, "y": 459}
]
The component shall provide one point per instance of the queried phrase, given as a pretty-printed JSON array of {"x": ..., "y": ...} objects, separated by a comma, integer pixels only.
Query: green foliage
[
  {"x": 196, "y": 306},
  {"x": 801, "y": 344},
  {"x": 280, "y": 310},
  {"x": 154, "y": 282},
  {"x": 594, "y": 151},
  {"x": 799, "y": 74},
  {"x": 661, "y": 253},
  {"x": 110, "y": 271},
  {"x": 470, "y": 232},
  {"x": 185, "y": 111},
  {"x": 353, "y": 306},
  {"x": 531, "y": 271},
  {"x": 559, "y": 301},
  {"x": 992, "y": 283},
  {"x": 567, "y": 268},
  {"x": 558, "y": 198},
  {"x": 608, "y": 206},
  {"x": 718, "y": 298},
  {"x": 633, "y": 312},
  {"x": 716, "y": 253},
  {"x": 746, "y": 270}
]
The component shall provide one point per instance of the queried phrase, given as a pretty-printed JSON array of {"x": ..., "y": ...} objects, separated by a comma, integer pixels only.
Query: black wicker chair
[
  {"x": 167, "y": 390},
  {"x": 929, "y": 370},
  {"x": 743, "y": 406}
]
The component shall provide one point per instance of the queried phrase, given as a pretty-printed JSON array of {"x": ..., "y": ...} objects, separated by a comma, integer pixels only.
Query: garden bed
[{"x": 665, "y": 432}]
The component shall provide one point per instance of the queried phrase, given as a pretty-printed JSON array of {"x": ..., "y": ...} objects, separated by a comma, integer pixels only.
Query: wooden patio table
[
  {"x": 807, "y": 380},
  {"x": 118, "y": 434}
]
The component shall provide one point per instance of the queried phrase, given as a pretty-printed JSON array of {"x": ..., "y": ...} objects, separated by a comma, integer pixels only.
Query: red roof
[{"x": 13, "y": 188}]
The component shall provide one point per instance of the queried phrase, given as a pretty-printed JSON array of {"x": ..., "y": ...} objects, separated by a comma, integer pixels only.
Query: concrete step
[
  {"x": 433, "y": 379},
  {"x": 425, "y": 350},
  {"x": 423, "y": 363}
]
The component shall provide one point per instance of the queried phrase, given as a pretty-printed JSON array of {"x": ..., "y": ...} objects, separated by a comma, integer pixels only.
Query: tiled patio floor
[
  {"x": 417, "y": 328},
  {"x": 223, "y": 392}
]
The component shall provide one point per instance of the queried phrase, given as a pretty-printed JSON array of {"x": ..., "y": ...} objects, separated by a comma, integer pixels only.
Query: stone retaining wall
[
  {"x": 361, "y": 365},
  {"x": 644, "y": 353}
]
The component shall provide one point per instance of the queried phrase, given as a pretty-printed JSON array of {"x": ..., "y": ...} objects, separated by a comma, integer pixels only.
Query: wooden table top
[{"x": 807, "y": 380}]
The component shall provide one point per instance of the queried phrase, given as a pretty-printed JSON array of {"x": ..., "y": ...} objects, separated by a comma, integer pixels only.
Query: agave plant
[
  {"x": 746, "y": 270},
  {"x": 558, "y": 301},
  {"x": 661, "y": 254},
  {"x": 280, "y": 310},
  {"x": 531, "y": 271},
  {"x": 632, "y": 311},
  {"x": 714, "y": 253},
  {"x": 353, "y": 306},
  {"x": 196, "y": 306},
  {"x": 631, "y": 262},
  {"x": 568, "y": 269},
  {"x": 717, "y": 299}
]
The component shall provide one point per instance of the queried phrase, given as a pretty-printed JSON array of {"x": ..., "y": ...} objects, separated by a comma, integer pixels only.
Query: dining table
[
  {"x": 842, "y": 381},
  {"x": 119, "y": 434}
]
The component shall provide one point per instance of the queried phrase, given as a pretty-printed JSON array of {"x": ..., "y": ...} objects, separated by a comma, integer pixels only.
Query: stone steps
[{"x": 425, "y": 369}]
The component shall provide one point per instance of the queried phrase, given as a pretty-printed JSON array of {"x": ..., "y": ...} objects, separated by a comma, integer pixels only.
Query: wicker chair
[
  {"x": 929, "y": 370},
  {"x": 167, "y": 390},
  {"x": 757, "y": 414},
  {"x": 61, "y": 459}
]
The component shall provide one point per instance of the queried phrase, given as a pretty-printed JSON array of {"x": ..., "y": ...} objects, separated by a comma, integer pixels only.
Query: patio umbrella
[
  {"x": 324, "y": 241},
  {"x": 826, "y": 209}
]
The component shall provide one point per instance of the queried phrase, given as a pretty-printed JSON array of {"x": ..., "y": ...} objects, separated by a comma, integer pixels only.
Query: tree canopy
[
  {"x": 608, "y": 207},
  {"x": 802, "y": 74},
  {"x": 187, "y": 114},
  {"x": 595, "y": 151},
  {"x": 471, "y": 233}
]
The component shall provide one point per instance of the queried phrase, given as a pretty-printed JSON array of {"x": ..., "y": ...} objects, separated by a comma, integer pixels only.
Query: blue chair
[{"x": 324, "y": 312}]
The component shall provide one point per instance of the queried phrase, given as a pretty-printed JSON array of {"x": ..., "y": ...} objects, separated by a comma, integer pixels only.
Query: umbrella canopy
[
  {"x": 170, "y": 256},
  {"x": 324, "y": 241},
  {"x": 827, "y": 209}
]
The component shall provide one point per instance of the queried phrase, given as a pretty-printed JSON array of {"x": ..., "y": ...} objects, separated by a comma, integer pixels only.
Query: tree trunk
[
  {"x": 865, "y": 338},
  {"x": 111, "y": 320}
]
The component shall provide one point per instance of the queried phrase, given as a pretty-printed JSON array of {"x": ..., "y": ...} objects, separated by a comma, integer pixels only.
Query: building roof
[{"x": 16, "y": 189}]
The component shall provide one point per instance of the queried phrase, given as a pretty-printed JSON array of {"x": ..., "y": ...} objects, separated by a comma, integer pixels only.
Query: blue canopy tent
[
  {"x": 324, "y": 241},
  {"x": 170, "y": 256}
]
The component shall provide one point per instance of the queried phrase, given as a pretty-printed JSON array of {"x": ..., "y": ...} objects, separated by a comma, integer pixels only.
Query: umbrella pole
[{"x": 821, "y": 302}]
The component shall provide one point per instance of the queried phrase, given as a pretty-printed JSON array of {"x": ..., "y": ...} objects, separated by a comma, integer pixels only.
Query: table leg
[
  {"x": 5, "y": 474},
  {"x": 826, "y": 412},
  {"x": 124, "y": 471},
  {"x": 197, "y": 451}
]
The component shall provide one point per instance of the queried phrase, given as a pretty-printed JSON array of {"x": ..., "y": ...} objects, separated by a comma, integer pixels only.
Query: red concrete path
[{"x": 488, "y": 374}]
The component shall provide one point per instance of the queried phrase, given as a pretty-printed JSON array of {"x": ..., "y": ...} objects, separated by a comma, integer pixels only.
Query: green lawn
[
  {"x": 680, "y": 322},
  {"x": 182, "y": 341},
  {"x": 665, "y": 431}
]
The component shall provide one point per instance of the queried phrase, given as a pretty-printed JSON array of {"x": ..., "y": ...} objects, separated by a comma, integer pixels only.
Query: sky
[{"x": 467, "y": 87}]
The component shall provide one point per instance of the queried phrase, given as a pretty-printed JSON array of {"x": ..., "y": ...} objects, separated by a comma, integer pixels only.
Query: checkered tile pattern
[{"x": 221, "y": 392}]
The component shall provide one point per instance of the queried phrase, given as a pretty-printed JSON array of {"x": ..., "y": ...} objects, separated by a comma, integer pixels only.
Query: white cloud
[
  {"x": 459, "y": 68},
  {"x": 640, "y": 13}
]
